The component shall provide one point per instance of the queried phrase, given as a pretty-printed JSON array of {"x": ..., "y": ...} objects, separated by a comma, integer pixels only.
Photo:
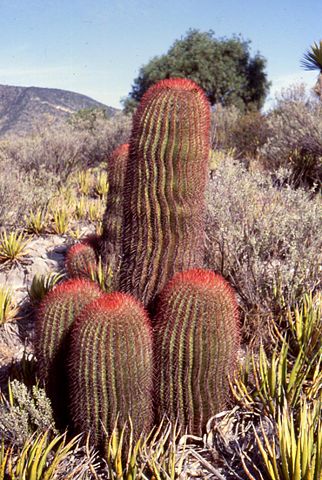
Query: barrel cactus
[
  {"x": 81, "y": 261},
  {"x": 196, "y": 343},
  {"x": 110, "y": 244},
  {"x": 55, "y": 315},
  {"x": 164, "y": 189},
  {"x": 110, "y": 367}
]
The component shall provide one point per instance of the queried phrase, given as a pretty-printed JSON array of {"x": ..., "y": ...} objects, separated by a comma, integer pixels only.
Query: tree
[
  {"x": 223, "y": 67},
  {"x": 312, "y": 60}
]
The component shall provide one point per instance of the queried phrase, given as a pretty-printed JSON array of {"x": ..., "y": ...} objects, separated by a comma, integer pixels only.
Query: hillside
[{"x": 26, "y": 109}]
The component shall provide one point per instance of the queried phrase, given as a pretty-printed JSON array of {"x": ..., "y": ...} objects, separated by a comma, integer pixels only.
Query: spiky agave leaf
[{"x": 312, "y": 59}]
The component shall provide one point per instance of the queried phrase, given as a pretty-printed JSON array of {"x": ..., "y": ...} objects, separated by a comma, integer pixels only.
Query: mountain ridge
[{"x": 27, "y": 109}]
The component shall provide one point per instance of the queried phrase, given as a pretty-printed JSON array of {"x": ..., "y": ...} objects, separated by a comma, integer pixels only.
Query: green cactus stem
[
  {"x": 110, "y": 245},
  {"x": 81, "y": 260},
  {"x": 55, "y": 316},
  {"x": 196, "y": 345},
  {"x": 111, "y": 367},
  {"x": 164, "y": 190}
]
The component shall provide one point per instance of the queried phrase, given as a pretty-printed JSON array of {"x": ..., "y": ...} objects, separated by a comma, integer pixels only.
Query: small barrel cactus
[
  {"x": 164, "y": 188},
  {"x": 196, "y": 343},
  {"x": 55, "y": 316},
  {"x": 111, "y": 367},
  {"x": 81, "y": 261},
  {"x": 110, "y": 244}
]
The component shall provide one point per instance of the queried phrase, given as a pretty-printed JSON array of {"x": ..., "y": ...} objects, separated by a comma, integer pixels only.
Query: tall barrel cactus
[
  {"x": 163, "y": 230},
  {"x": 196, "y": 343},
  {"x": 110, "y": 367},
  {"x": 55, "y": 316},
  {"x": 110, "y": 244}
]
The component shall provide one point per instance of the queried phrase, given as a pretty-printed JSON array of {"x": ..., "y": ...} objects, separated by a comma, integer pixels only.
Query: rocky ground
[{"x": 45, "y": 254}]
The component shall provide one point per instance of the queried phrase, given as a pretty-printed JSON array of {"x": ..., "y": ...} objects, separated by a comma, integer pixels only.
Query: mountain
[{"x": 26, "y": 109}]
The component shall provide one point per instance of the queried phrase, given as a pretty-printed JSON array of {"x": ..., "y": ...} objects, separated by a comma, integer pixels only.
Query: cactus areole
[
  {"x": 164, "y": 190},
  {"x": 196, "y": 346}
]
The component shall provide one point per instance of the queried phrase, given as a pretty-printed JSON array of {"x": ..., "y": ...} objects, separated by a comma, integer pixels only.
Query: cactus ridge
[
  {"x": 81, "y": 260},
  {"x": 110, "y": 366},
  {"x": 196, "y": 343},
  {"x": 164, "y": 187},
  {"x": 110, "y": 244}
]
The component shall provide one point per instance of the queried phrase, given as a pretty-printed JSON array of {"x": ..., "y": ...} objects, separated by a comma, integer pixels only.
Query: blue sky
[{"x": 96, "y": 47}]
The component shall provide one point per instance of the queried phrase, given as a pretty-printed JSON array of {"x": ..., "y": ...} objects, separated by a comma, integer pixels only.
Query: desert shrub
[
  {"x": 25, "y": 412},
  {"x": 249, "y": 134},
  {"x": 265, "y": 240},
  {"x": 223, "y": 122},
  {"x": 101, "y": 135},
  {"x": 20, "y": 193},
  {"x": 295, "y": 139},
  {"x": 36, "y": 166}
]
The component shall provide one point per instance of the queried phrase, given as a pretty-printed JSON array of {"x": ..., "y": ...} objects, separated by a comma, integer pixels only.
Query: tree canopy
[{"x": 223, "y": 67}]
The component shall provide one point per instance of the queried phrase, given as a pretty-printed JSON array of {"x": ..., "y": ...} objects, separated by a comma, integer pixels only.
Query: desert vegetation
[{"x": 199, "y": 282}]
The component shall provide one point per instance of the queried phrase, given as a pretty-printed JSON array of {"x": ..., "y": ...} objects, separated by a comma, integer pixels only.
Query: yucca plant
[
  {"x": 40, "y": 457},
  {"x": 84, "y": 182},
  {"x": 36, "y": 221},
  {"x": 312, "y": 60},
  {"x": 295, "y": 453},
  {"x": 42, "y": 284},
  {"x": 95, "y": 210},
  {"x": 273, "y": 381},
  {"x": 81, "y": 207},
  {"x": 8, "y": 307},
  {"x": 61, "y": 220},
  {"x": 13, "y": 247},
  {"x": 101, "y": 184},
  {"x": 302, "y": 326},
  {"x": 103, "y": 275}
]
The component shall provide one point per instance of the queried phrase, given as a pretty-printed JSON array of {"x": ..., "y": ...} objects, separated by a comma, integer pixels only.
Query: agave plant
[{"x": 312, "y": 60}]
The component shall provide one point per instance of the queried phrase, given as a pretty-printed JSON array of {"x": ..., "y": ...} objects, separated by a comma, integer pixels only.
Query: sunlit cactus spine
[
  {"x": 81, "y": 261},
  {"x": 164, "y": 190},
  {"x": 196, "y": 345},
  {"x": 55, "y": 315},
  {"x": 111, "y": 367},
  {"x": 110, "y": 245}
]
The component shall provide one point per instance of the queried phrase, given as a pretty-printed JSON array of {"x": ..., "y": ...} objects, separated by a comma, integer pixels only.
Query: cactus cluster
[
  {"x": 165, "y": 343},
  {"x": 54, "y": 320}
]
